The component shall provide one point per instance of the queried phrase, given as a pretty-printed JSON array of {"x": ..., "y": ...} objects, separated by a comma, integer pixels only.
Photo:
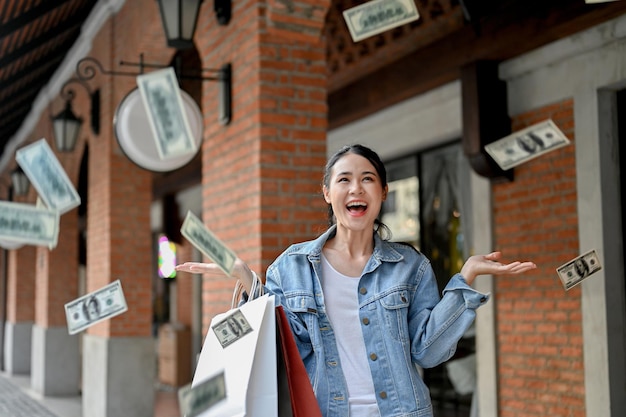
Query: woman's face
[{"x": 355, "y": 192}]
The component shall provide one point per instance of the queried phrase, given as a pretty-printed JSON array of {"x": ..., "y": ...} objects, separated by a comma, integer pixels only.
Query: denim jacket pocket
[
  {"x": 305, "y": 307},
  {"x": 395, "y": 310}
]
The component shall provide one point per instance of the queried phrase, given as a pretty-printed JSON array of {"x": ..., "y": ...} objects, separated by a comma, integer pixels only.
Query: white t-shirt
[{"x": 342, "y": 307}]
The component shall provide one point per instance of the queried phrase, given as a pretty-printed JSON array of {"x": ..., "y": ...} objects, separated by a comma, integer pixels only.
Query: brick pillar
[
  {"x": 119, "y": 360},
  {"x": 262, "y": 173},
  {"x": 119, "y": 354},
  {"x": 20, "y": 310},
  {"x": 55, "y": 353}
]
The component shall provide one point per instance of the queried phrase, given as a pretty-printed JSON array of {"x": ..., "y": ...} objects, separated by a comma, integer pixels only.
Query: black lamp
[
  {"x": 179, "y": 21},
  {"x": 66, "y": 127},
  {"x": 19, "y": 181}
]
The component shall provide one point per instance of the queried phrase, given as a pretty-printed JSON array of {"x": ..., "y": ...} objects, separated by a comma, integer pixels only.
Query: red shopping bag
[{"x": 295, "y": 393}]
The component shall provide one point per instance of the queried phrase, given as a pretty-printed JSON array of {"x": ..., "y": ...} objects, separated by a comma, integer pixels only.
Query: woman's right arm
[{"x": 240, "y": 271}]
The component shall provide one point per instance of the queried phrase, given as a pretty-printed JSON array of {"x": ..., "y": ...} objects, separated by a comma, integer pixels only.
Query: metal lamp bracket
[{"x": 88, "y": 67}]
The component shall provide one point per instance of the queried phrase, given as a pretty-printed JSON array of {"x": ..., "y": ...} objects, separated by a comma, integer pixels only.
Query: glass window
[{"x": 428, "y": 195}]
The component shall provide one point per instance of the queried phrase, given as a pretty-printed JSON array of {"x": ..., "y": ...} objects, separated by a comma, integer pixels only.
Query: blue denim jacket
[{"x": 403, "y": 319}]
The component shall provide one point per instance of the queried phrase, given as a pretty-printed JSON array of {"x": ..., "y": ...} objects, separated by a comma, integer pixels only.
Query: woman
[{"x": 364, "y": 310}]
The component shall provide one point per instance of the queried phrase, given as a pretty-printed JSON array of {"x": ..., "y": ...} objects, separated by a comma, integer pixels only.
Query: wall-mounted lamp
[
  {"x": 222, "y": 11},
  {"x": 180, "y": 17},
  {"x": 66, "y": 126},
  {"x": 20, "y": 181}
]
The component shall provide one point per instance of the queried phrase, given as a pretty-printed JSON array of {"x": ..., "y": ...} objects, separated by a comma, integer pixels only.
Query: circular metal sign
[{"x": 135, "y": 137}]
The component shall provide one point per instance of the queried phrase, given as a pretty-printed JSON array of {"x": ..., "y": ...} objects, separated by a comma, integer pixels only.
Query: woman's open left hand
[{"x": 489, "y": 265}]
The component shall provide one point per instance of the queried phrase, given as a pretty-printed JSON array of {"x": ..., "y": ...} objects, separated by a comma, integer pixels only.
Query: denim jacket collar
[{"x": 383, "y": 252}]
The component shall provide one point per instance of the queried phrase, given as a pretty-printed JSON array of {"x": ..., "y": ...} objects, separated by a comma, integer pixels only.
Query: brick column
[
  {"x": 55, "y": 353},
  {"x": 119, "y": 354},
  {"x": 262, "y": 173},
  {"x": 20, "y": 310},
  {"x": 119, "y": 359}
]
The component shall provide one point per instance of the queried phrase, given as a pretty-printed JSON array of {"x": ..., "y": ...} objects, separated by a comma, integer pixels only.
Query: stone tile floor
[{"x": 17, "y": 399}]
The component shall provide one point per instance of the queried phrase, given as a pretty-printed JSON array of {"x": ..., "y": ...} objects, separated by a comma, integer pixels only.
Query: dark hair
[{"x": 375, "y": 160}]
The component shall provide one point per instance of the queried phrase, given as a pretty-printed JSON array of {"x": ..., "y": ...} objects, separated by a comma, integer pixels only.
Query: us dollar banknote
[
  {"x": 194, "y": 400},
  {"x": 575, "y": 271},
  {"x": 232, "y": 328},
  {"x": 378, "y": 16},
  {"x": 161, "y": 97},
  {"x": 10, "y": 245},
  {"x": 92, "y": 308},
  {"x": 27, "y": 224},
  {"x": 206, "y": 242},
  {"x": 47, "y": 175},
  {"x": 527, "y": 144}
]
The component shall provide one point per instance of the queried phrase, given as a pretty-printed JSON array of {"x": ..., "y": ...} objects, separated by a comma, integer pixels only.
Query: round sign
[{"x": 135, "y": 137}]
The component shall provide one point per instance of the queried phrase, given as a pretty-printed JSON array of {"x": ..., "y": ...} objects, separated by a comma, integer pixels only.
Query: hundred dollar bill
[
  {"x": 25, "y": 223},
  {"x": 168, "y": 120},
  {"x": 527, "y": 144},
  {"x": 232, "y": 328},
  {"x": 206, "y": 242},
  {"x": 47, "y": 175},
  {"x": 576, "y": 270},
  {"x": 92, "y": 308},
  {"x": 377, "y": 16},
  {"x": 194, "y": 400},
  {"x": 10, "y": 245}
]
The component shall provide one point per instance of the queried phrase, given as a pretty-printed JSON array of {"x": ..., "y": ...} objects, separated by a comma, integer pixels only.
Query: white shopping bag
[{"x": 242, "y": 344}]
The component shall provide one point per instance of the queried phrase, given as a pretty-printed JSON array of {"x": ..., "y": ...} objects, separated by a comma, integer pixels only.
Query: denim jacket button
[
  {"x": 366, "y": 321},
  {"x": 383, "y": 395},
  {"x": 363, "y": 290},
  {"x": 373, "y": 356}
]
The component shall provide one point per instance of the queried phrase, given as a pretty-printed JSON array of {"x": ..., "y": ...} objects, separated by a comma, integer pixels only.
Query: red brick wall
[
  {"x": 262, "y": 173},
  {"x": 539, "y": 330},
  {"x": 57, "y": 274},
  {"x": 120, "y": 193}
]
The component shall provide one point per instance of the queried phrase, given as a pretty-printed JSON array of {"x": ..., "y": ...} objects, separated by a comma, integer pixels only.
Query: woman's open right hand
[{"x": 240, "y": 271}]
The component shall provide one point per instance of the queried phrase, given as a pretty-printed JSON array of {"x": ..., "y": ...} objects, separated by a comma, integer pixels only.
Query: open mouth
[{"x": 356, "y": 206}]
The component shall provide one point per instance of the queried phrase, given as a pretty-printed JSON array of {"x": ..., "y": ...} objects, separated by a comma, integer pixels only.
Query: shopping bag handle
[{"x": 257, "y": 290}]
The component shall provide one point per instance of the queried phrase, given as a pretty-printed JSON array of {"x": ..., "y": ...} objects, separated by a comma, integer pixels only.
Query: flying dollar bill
[
  {"x": 161, "y": 97},
  {"x": 47, "y": 175},
  {"x": 573, "y": 272},
  {"x": 10, "y": 245},
  {"x": 232, "y": 328},
  {"x": 92, "y": 308},
  {"x": 377, "y": 16},
  {"x": 206, "y": 242},
  {"x": 25, "y": 223},
  {"x": 201, "y": 397},
  {"x": 526, "y": 144}
]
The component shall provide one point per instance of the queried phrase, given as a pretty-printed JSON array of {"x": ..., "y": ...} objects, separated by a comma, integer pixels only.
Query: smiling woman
[{"x": 359, "y": 305}]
